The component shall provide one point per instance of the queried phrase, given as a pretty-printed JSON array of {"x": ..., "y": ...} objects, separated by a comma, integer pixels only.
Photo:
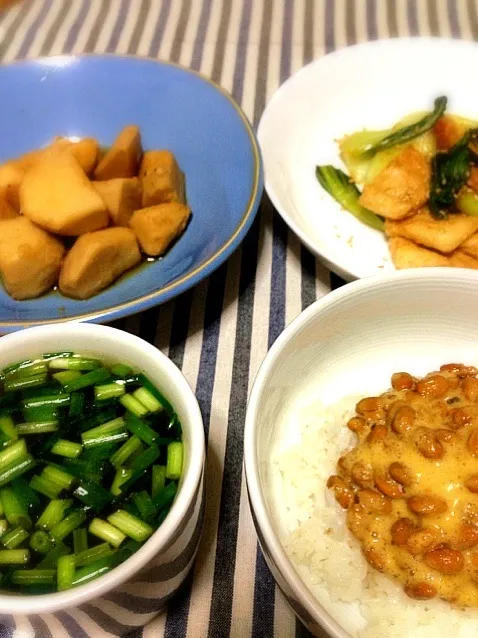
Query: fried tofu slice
[
  {"x": 57, "y": 195},
  {"x": 30, "y": 258},
  {"x": 161, "y": 178},
  {"x": 123, "y": 157},
  {"x": 86, "y": 151},
  {"x": 96, "y": 260},
  {"x": 122, "y": 197},
  {"x": 26, "y": 161},
  {"x": 406, "y": 254},
  {"x": 401, "y": 187},
  {"x": 157, "y": 226},
  {"x": 460, "y": 259},
  {"x": 6, "y": 209},
  {"x": 11, "y": 176},
  {"x": 443, "y": 235},
  {"x": 470, "y": 246}
]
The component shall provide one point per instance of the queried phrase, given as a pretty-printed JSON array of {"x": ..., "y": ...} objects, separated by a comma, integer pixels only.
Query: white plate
[{"x": 365, "y": 86}]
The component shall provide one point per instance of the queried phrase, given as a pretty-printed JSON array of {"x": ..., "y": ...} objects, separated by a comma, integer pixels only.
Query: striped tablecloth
[{"x": 219, "y": 333}]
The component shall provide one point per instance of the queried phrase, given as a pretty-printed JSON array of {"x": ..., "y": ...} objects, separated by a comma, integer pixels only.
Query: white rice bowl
[{"x": 313, "y": 531}]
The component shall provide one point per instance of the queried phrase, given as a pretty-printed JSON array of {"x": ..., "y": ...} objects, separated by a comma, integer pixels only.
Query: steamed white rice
[{"x": 323, "y": 551}]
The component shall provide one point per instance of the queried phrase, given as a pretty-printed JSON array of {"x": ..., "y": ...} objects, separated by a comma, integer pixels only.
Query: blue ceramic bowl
[{"x": 176, "y": 109}]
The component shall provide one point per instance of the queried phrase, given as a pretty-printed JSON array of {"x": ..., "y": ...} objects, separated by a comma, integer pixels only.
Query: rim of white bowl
[
  {"x": 328, "y": 257},
  {"x": 50, "y": 603},
  {"x": 251, "y": 465}
]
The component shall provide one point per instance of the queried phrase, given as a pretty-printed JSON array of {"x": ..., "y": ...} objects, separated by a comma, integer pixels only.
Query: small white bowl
[
  {"x": 132, "y": 593},
  {"x": 348, "y": 343}
]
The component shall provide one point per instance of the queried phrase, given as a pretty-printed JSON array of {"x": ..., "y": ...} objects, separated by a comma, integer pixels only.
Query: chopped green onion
[
  {"x": 121, "y": 476},
  {"x": 106, "y": 532},
  {"x": 120, "y": 370},
  {"x": 74, "y": 363},
  {"x": 130, "y": 525},
  {"x": 174, "y": 427},
  {"x": 27, "y": 367},
  {"x": 45, "y": 391},
  {"x": 65, "y": 572},
  {"x": 14, "y": 537},
  {"x": 14, "y": 383},
  {"x": 158, "y": 479},
  {"x": 93, "y": 495},
  {"x": 104, "y": 415},
  {"x": 41, "y": 414},
  {"x": 45, "y": 486},
  {"x": 92, "y": 571},
  {"x": 56, "y": 400},
  {"x": 132, "y": 445},
  {"x": 17, "y": 469},
  {"x": 53, "y": 513},
  {"x": 36, "y": 368},
  {"x": 99, "y": 453},
  {"x": 134, "y": 406},
  {"x": 57, "y": 355},
  {"x": 37, "y": 428},
  {"x": 147, "y": 399},
  {"x": 4, "y": 442},
  {"x": 114, "y": 437},
  {"x": 13, "y": 453},
  {"x": 141, "y": 429},
  {"x": 33, "y": 577},
  {"x": 145, "y": 505},
  {"x": 67, "y": 525},
  {"x": 77, "y": 404},
  {"x": 80, "y": 540},
  {"x": 145, "y": 459},
  {"x": 146, "y": 383},
  {"x": 108, "y": 391},
  {"x": 41, "y": 542},
  {"x": 16, "y": 366},
  {"x": 90, "y": 469},
  {"x": 57, "y": 476},
  {"x": 104, "y": 428},
  {"x": 13, "y": 508},
  {"x": 70, "y": 449},
  {"x": 87, "y": 380},
  {"x": 93, "y": 554},
  {"x": 174, "y": 463},
  {"x": 50, "y": 559},
  {"x": 97, "y": 425},
  {"x": 108, "y": 432},
  {"x": 166, "y": 495},
  {"x": 7, "y": 427},
  {"x": 28, "y": 497},
  {"x": 14, "y": 556},
  {"x": 66, "y": 376}
]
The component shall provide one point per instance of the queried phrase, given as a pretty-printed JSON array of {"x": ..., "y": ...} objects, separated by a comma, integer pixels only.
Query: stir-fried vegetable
[
  {"x": 450, "y": 172},
  {"x": 371, "y": 142},
  {"x": 339, "y": 186},
  {"x": 90, "y": 455}
]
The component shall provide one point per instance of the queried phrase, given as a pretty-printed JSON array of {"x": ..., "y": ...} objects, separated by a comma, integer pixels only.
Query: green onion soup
[{"x": 91, "y": 455}]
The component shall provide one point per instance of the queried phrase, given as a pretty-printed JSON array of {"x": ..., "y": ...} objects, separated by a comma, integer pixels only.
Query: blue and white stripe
[{"x": 219, "y": 332}]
